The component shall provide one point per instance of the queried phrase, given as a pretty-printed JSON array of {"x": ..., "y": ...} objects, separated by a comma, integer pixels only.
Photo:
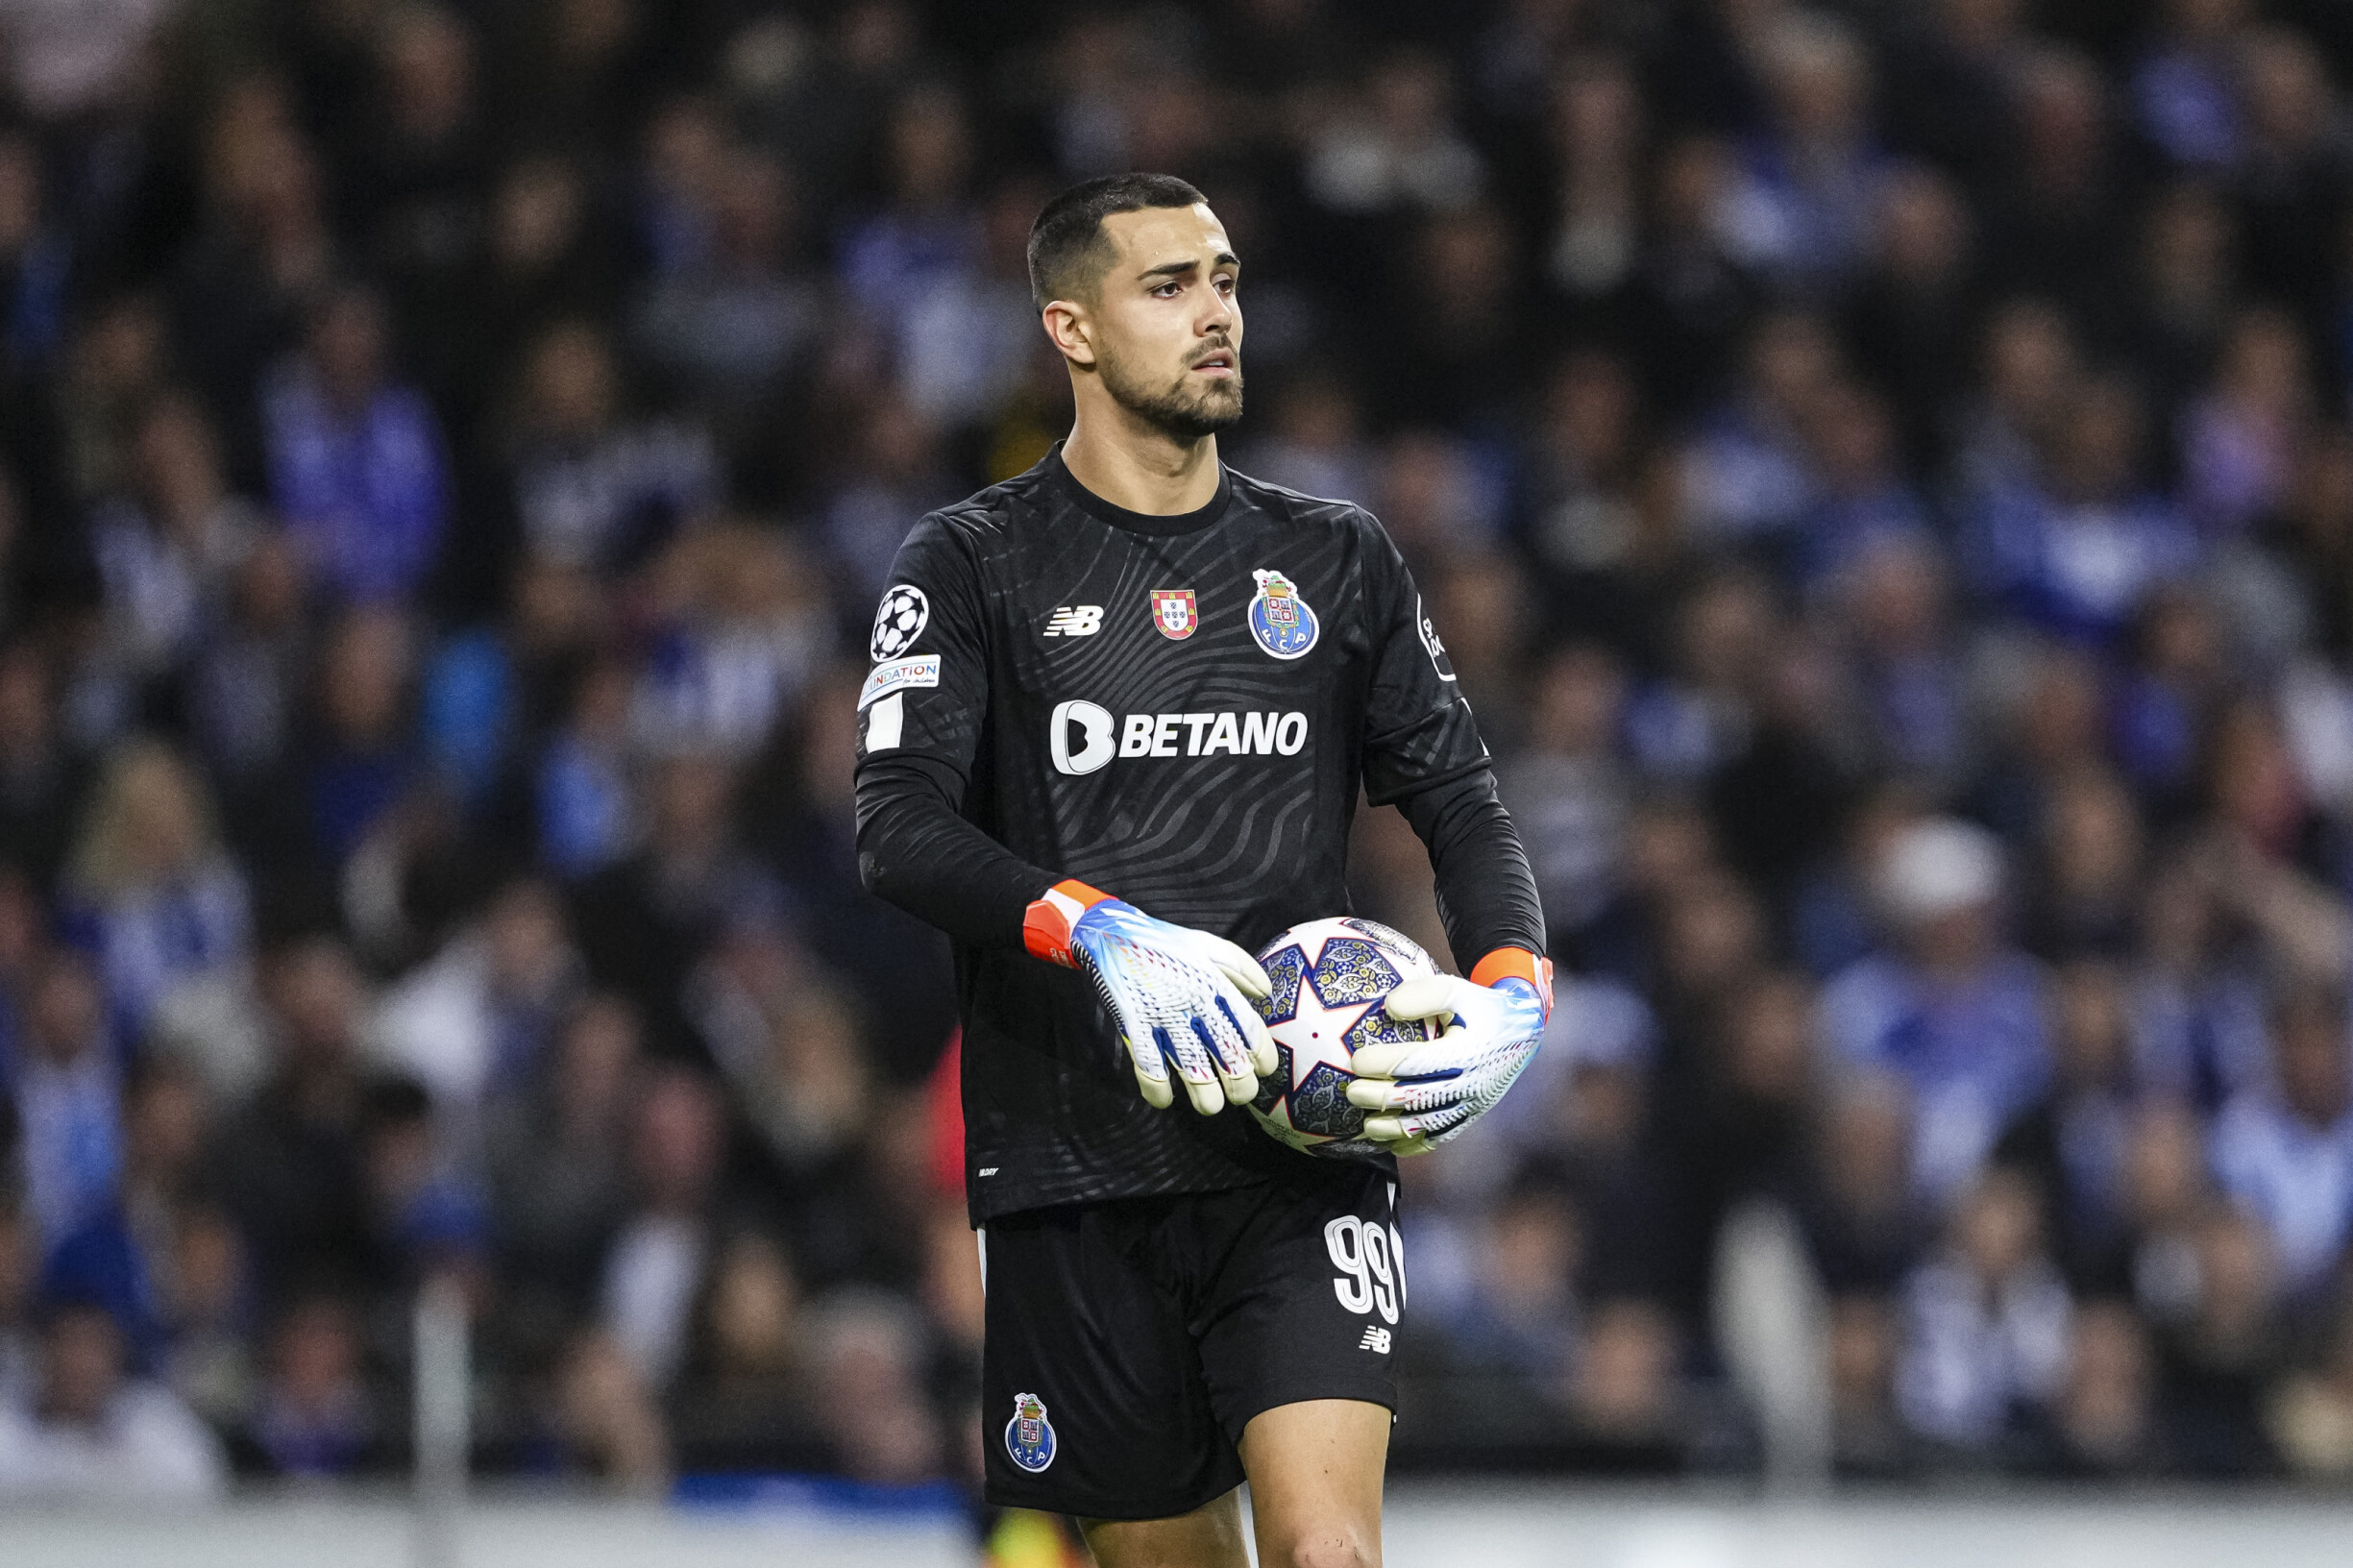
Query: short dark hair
[{"x": 1067, "y": 245}]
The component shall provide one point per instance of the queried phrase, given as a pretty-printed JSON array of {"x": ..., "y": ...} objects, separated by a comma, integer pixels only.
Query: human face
[{"x": 1166, "y": 327}]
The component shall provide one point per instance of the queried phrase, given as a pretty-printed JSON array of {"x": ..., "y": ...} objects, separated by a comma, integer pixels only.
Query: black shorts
[{"x": 1130, "y": 1341}]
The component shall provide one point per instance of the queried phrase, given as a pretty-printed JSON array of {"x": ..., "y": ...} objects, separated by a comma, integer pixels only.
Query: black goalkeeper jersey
[{"x": 1179, "y": 711}]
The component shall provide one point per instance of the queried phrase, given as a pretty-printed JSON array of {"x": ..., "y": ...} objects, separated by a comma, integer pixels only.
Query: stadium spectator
[
  {"x": 2073, "y": 1145},
  {"x": 585, "y": 792},
  {"x": 643, "y": 922},
  {"x": 168, "y": 551},
  {"x": 592, "y": 490},
  {"x": 609, "y": 1428},
  {"x": 163, "y": 908},
  {"x": 2285, "y": 1151},
  {"x": 1867, "y": 1439},
  {"x": 246, "y": 682},
  {"x": 1948, "y": 1005},
  {"x": 727, "y": 327},
  {"x": 1987, "y": 1324},
  {"x": 2076, "y": 550},
  {"x": 2215, "y": 1362},
  {"x": 36, "y": 263},
  {"x": 356, "y": 468},
  {"x": 206, "y": 1306},
  {"x": 238, "y": 287},
  {"x": 743, "y": 1400},
  {"x": 288, "y": 1158},
  {"x": 313, "y": 1418},
  {"x": 40, "y": 779},
  {"x": 2308, "y": 1414},
  {"x": 67, "y": 1088},
  {"x": 555, "y": 1144},
  {"x": 2103, "y": 1421},
  {"x": 1801, "y": 210},
  {"x": 867, "y": 1366},
  {"x": 478, "y": 1016},
  {"x": 663, "y": 1247},
  {"x": 93, "y": 1433}
]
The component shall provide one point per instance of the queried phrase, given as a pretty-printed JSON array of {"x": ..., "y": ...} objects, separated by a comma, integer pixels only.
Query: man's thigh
[
  {"x": 1315, "y": 1470},
  {"x": 1210, "y": 1536}
]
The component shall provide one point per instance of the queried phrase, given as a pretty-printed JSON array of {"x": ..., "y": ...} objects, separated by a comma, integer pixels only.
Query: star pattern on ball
[
  {"x": 1329, "y": 982},
  {"x": 1320, "y": 1034}
]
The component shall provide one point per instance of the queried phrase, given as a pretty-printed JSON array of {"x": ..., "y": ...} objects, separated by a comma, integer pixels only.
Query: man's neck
[{"x": 1131, "y": 464}]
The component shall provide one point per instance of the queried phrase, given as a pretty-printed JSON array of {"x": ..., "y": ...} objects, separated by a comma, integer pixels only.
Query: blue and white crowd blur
[{"x": 1882, "y": 474}]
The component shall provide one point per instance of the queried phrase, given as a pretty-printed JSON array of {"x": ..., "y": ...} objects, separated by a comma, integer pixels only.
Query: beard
[{"x": 1184, "y": 413}]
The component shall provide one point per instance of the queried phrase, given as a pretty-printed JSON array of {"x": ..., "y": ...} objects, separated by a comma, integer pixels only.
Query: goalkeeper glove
[
  {"x": 1426, "y": 1091},
  {"x": 1180, "y": 998}
]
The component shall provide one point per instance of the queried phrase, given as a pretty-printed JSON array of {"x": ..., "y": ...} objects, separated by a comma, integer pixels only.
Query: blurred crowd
[{"x": 1881, "y": 470}]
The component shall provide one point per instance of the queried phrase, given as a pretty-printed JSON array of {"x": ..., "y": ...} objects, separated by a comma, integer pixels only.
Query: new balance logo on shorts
[
  {"x": 1375, "y": 1339},
  {"x": 1076, "y": 621}
]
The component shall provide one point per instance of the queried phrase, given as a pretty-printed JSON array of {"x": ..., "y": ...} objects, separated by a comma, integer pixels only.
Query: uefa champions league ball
[{"x": 1329, "y": 981}]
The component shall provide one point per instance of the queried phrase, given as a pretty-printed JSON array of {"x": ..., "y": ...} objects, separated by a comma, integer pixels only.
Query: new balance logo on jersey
[
  {"x": 1375, "y": 1339},
  {"x": 1083, "y": 737},
  {"x": 1076, "y": 621}
]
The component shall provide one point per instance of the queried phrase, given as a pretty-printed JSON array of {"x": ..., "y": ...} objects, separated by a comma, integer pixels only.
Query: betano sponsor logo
[{"x": 1084, "y": 737}]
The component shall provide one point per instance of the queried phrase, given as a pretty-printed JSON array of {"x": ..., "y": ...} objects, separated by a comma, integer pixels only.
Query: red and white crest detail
[{"x": 1173, "y": 613}]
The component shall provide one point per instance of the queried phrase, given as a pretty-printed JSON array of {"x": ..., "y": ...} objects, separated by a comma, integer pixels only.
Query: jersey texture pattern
[{"x": 1198, "y": 751}]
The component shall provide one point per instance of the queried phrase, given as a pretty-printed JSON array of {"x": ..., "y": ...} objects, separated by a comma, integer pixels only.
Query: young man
[{"x": 1129, "y": 680}]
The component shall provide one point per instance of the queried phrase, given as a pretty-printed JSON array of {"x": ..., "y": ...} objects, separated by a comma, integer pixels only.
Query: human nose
[{"x": 1222, "y": 317}]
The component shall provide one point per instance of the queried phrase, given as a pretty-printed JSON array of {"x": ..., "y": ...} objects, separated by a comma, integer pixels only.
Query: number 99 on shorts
[{"x": 1372, "y": 1265}]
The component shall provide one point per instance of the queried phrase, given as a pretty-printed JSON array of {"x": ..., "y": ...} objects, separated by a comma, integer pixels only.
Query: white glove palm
[
  {"x": 1428, "y": 1092},
  {"x": 1182, "y": 1000}
]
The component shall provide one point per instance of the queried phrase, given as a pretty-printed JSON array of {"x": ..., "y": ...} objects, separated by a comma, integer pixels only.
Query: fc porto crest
[
  {"x": 1280, "y": 619},
  {"x": 1029, "y": 1437},
  {"x": 1173, "y": 613}
]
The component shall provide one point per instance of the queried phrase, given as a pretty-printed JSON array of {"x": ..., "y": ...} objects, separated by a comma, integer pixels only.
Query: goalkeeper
[{"x": 1121, "y": 712}]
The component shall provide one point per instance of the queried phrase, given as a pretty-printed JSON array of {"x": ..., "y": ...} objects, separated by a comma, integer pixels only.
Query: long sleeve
[
  {"x": 1487, "y": 893},
  {"x": 916, "y": 850},
  {"x": 1424, "y": 755},
  {"x": 920, "y": 725}
]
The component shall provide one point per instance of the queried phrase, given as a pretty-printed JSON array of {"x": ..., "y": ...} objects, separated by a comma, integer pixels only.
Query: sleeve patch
[
  {"x": 899, "y": 621},
  {"x": 897, "y": 675},
  {"x": 883, "y": 724},
  {"x": 1428, "y": 629}
]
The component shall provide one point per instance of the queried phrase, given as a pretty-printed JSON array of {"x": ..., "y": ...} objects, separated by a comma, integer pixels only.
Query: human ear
[{"x": 1067, "y": 324}]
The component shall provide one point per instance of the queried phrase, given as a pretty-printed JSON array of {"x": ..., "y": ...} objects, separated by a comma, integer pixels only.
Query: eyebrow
[{"x": 1178, "y": 269}]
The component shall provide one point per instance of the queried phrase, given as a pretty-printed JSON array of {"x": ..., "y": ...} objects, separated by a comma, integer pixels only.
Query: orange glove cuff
[
  {"x": 1515, "y": 962},
  {"x": 1045, "y": 927}
]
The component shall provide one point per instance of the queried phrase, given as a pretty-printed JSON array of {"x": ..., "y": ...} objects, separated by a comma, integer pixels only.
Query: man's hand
[
  {"x": 1180, "y": 998},
  {"x": 1427, "y": 1091}
]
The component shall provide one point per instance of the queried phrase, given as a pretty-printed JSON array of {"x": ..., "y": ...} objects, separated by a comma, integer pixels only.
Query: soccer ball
[
  {"x": 899, "y": 622},
  {"x": 1328, "y": 979}
]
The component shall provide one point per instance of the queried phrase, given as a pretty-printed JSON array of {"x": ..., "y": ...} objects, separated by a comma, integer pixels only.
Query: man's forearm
[
  {"x": 1487, "y": 893},
  {"x": 916, "y": 851}
]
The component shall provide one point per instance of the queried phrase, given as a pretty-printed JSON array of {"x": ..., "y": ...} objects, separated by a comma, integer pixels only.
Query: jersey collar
[{"x": 1078, "y": 495}]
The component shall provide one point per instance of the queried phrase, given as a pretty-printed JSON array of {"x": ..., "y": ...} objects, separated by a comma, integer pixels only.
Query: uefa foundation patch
[
  {"x": 897, "y": 675},
  {"x": 1029, "y": 1437}
]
